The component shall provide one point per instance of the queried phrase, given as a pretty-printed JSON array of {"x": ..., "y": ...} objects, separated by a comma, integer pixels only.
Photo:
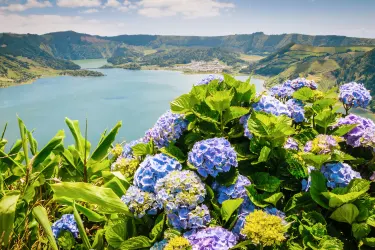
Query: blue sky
[{"x": 190, "y": 17}]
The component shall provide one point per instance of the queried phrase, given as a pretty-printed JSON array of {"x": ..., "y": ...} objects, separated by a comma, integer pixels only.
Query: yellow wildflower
[
  {"x": 178, "y": 243},
  {"x": 263, "y": 228}
]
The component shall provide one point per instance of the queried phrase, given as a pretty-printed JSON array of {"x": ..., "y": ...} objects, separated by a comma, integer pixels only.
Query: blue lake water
[{"x": 137, "y": 98}]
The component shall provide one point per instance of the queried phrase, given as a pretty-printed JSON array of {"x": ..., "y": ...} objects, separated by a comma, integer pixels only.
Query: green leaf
[
  {"x": 344, "y": 129},
  {"x": 316, "y": 160},
  {"x": 99, "y": 240},
  {"x": 102, "y": 150},
  {"x": 220, "y": 100},
  {"x": 330, "y": 243},
  {"x": 228, "y": 178},
  {"x": 369, "y": 242},
  {"x": 174, "y": 151},
  {"x": 7, "y": 214},
  {"x": 91, "y": 215},
  {"x": 41, "y": 216},
  {"x": 142, "y": 149},
  {"x": 81, "y": 228},
  {"x": 157, "y": 230},
  {"x": 228, "y": 207},
  {"x": 274, "y": 198},
  {"x": 360, "y": 230},
  {"x": 263, "y": 200},
  {"x": 318, "y": 186},
  {"x": 78, "y": 138},
  {"x": 263, "y": 156},
  {"x": 346, "y": 213},
  {"x": 184, "y": 103},
  {"x": 136, "y": 243},
  {"x": 325, "y": 118},
  {"x": 242, "y": 245},
  {"x": 296, "y": 166},
  {"x": 105, "y": 198},
  {"x": 371, "y": 220},
  {"x": 322, "y": 104},
  {"x": 33, "y": 143},
  {"x": 118, "y": 231},
  {"x": 300, "y": 201},
  {"x": 234, "y": 113},
  {"x": 211, "y": 198},
  {"x": 303, "y": 94},
  {"x": 264, "y": 181},
  {"x": 23, "y": 131}
]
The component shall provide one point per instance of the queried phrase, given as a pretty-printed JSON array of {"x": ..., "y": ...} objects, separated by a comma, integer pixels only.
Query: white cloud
[
  {"x": 28, "y": 5},
  {"x": 78, "y": 3},
  {"x": 186, "y": 8},
  {"x": 112, "y": 3},
  {"x": 89, "y": 11}
]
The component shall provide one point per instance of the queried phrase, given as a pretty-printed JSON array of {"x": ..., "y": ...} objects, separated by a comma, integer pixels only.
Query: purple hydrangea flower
[
  {"x": 180, "y": 189},
  {"x": 362, "y": 135},
  {"x": 159, "y": 245},
  {"x": 291, "y": 144},
  {"x": 213, "y": 238},
  {"x": 213, "y": 156},
  {"x": 298, "y": 83},
  {"x": 339, "y": 174},
  {"x": 65, "y": 223},
  {"x": 140, "y": 203},
  {"x": 323, "y": 144},
  {"x": 271, "y": 105},
  {"x": 297, "y": 112},
  {"x": 184, "y": 218},
  {"x": 152, "y": 169},
  {"x": 168, "y": 128},
  {"x": 354, "y": 95},
  {"x": 307, "y": 183},
  {"x": 234, "y": 191},
  {"x": 243, "y": 120},
  {"x": 282, "y": 91},
  {"x": 128, "y": 151},
  {"x": 209, "y": 79}
]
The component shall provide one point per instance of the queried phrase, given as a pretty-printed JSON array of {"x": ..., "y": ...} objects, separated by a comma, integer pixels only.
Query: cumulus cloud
[
  {"x": 78, "y": 3},
  {"x": 28, "y": 5},
  {"x": 186, "y": 8},
  {"x": 112, "y": 3},
  {"x": 89, "y": 11}
]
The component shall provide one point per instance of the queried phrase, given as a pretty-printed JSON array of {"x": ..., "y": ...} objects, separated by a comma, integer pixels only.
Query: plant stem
[
  {"x": 5, "y": 129},
  {"x": 260, "y": 247},
  {"x": 85, "y": 160},
  {"x": 221, "y": 123}
]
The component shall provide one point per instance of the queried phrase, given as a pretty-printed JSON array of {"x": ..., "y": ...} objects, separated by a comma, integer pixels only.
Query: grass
[{"x": 250, "y": 58}]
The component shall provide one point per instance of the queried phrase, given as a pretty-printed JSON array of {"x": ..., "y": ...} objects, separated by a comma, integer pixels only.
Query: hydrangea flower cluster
[
  {"x": 362, "y": 135},
  {"x": 159, "y": 245},
  {"x": 140, "y": 203},
  {"x": 263, "y": 228},
  {"x": 276, "y": 212},
  {"x": 116, "y": 150},
  {"x": 339, "y": 174},
  {"x": 234, "y": 191},
  {"x": 168, "y": 128},
  {"x": 246, "y": 208},
  {"x": 243, "y": 120},
  {"x": 307, "y": 183},
  {"x": 271, "y": 105},
  {"x": 65, "y": 223},
  {"x": 128, "y": 151},
  {"x": 178, "y": 243},
  {"x": 297, "y": 112},
  {"x": 184, "y": 218},
  {"x": 299, "y": 83},
  {"x": 291, "y": 144},
  {"x": 126, "y": 166},
  {"x": 213, "y": 156},
  {"x": 180, "y": 189},
  {"x": 354, "y": 95},
  {"x": 323, "y": 144},
  {"x": 209, "y": 79},
  {"x": 282, "y": 91},
  {"x": 152, "y": 169},
  {"x": 213, "y": 238}
]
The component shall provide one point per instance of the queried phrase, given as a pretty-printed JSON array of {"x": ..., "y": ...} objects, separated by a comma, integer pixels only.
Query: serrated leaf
[
  {"x": 360, "y": 230},
  {"x": 296, "y": 166},
  {"x": 316, "y": 160},
  {"x": 234, "y": 113},
  {"x": 300, "y": 201},
  {"x": 228, "y": 207},
  {"x": 220, "y": 100},
  {"x": 157, "y": 230},
  {"x": 318, "y": 186},
  {"x": 371, "y": 220},
  {"x": 228, "y": 178},
  {"x": 263, "y": 200},
  {"x": 264, "y": 181},
  {"x": 346, "y": 213},
  {"x": 183, "y": 103},
  {"x": 303, "y": 94},
  {"x": 325, "y": 118},
  {"x": 137, "y": 242},
  {"x": 263, "y": 156},
  {"x": 118, "y": 231}
]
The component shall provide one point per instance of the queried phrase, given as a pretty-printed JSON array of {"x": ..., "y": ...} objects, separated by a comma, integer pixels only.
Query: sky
[{"x": 190, "y": 17}]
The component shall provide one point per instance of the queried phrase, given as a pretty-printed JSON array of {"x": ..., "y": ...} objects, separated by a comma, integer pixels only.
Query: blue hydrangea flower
[
  {"x": 140, "y": 203},
  {"x": 209, "y": 79},
  {"x": 234, "y": 191},
  {"x": 291, "y": 144},
  {"x": 180, "y": 189},
  {"x": 213, "y": 156},
  {"x": 275, "y": 211},
  {"x": 159, "y": 245},
  {"x": 271, "y": 105},
  {"x": 243, "y": 120},
  {"x": 184, "y": 218},
  {"x": 299, "y": 83},
  {"x": 307, "y": 183},
  {"x": 339, "y": 174},
  {"x": 65, "y": 223},
  {"x": 297, "y": 112},
  {"x": 213, "y": 238},
  {"x": 361, "y": 136},
  {"x": 152, "y": 169},
  {"x": 246, "y": 208},
  {"x": 128, "y": 151},
  {"x": 168, "y": 128},
  {"x": 282, "y": 91},
  {"x": 354, "y": 95}
]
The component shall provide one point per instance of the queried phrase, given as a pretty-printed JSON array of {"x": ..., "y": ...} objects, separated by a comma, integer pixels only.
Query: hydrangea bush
[{"x": 224, "y": 168}]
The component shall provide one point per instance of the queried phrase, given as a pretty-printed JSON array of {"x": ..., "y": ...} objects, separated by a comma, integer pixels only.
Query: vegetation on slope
[{"x": 81, "y": 72}]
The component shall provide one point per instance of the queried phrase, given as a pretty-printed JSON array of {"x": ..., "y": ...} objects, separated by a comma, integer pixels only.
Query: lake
[{"x": 137, "y": 98}]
